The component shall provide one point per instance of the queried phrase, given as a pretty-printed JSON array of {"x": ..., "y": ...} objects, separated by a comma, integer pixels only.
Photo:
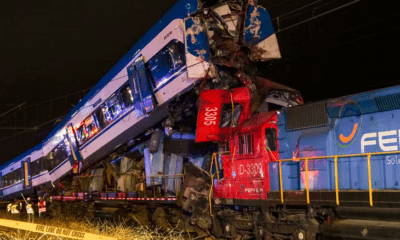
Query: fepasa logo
[
  {"x": 387, "y": 140},
  {"x": 349, "y": 124}
]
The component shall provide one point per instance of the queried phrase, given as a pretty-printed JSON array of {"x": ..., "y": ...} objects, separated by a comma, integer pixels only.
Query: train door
[
  {"x": 73, "y": 144},
  {"x": 139, "y": 81},
  {"x": 26, "y": 173}
]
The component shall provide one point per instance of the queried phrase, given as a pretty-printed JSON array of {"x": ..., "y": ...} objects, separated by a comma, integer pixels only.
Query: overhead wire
[
  {"x": 351, "y": 41},
  {"x": 319, "y": 15},
  {"x": 19, "y": 106}
]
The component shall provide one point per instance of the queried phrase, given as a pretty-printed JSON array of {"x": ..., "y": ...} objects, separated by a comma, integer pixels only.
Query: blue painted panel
[
  {"x": 392, "y": 171},
  {"x": 196, "y": 38},
  {"x": 258, "y": 25},
  {"x": 290, "y": 175},
  {"x": 145, "y": 89}
]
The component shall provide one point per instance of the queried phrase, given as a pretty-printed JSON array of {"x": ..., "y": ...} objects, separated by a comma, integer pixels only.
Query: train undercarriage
[{"x": 193, "y": 211}]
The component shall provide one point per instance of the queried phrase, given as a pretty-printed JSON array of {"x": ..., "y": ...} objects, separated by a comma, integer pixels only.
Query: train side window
[
  {"x": 12, "y": 177},
  {"x": 126, "y": 96},
  {"x": 42, "y": 165},
  {"x": 270, "y": 138},
  {"x": 166, "y": 63},
  {"x": 34, "y": 167},
  {"x": 101, "y": 117},
  {"x": 37, "y": 167},
  {"x": 240, "y": 143},
  {"x": 226, "y": 115},
  {"x": 91, "y": 126},
  {"x": 114, "y": 108},
  {"x": 49, "y": 161},
  {"x": 248, "y": 143},
  {"x": 81, "y": 134}
]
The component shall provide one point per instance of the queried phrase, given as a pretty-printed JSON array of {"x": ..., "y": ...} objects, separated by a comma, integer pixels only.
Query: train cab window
[
  {"x": 226, "y": 115},
  {"x": 91, "y": 126},
  {"x": 81, "y": 134},
  {"x": 126, "y": 96},
  {"x": 245, "y": 143},
  {"x": 113, "y": 108},
  {"x": 166, "y": 63},
  {"x": 270, "y": 138}
]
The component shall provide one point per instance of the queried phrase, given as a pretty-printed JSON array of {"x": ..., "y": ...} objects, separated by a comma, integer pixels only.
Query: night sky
[{"x": 53, "y": 49}]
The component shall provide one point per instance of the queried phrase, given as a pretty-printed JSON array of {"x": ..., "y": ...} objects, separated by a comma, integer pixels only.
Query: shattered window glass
[{"x": 226, "y": 115}]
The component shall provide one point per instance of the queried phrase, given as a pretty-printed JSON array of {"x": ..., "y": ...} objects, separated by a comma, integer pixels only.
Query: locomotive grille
[
  {"x": 305, "y": 116},
  {"x": 388, "y": 102}
]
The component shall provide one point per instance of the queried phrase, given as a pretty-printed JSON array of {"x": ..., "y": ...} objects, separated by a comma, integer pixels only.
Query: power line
[
  {"x": 16, "y": 128},
  {"x": 12, "y": 109},
  {"x": 348, "y": 42},
  {"x": 319, "y": 15}
]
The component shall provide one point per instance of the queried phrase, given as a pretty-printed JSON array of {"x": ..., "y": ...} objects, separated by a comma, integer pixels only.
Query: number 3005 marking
[{"x": 211, "y": 116}]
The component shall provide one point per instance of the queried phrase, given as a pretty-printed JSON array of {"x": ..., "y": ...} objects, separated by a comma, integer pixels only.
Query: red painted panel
[{"x": 210, "y": 109}]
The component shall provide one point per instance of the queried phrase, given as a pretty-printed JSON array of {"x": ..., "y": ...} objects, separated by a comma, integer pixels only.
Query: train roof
[{"x": 179, "y": 10}]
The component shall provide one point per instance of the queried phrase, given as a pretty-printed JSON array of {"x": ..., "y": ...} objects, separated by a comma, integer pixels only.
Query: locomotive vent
[
  {"x": 305, "y": 116},
  {"x": 388, "y": 102}
]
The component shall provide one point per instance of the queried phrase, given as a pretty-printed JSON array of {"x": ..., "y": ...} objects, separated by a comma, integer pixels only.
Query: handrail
[
  {"x": 307, "y": 187},
  {"x": 368, "y": 155},
  {"x": 335, "y": 157},
  {"x": 336, "y": 181}
]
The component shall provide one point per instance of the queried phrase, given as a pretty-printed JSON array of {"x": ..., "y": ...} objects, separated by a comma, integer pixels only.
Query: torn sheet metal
[
  {"x": 172, "y": 166},
  {"x": 197, "y": 49},
  {"x": 154, "y": 164},
  {"x": 259, "y": 34},
  {"x": 230, "y": 20},
  {"x": 98, "y": 181},
  {"x": 195, "y": 193}
]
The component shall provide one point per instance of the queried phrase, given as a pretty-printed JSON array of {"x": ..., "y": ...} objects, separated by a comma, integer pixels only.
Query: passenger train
[{"x": 182, "y": 132}]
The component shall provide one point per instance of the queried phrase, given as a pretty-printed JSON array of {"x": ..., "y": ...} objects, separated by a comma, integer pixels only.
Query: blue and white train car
[
  {"x": 132, "y": 97},
  {"x": 20, "y": 175},
  {"x": 57, "y": 155}
]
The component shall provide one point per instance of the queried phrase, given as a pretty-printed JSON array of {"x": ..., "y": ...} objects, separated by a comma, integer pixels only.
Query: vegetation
[{"x": 105, "y": 228}]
